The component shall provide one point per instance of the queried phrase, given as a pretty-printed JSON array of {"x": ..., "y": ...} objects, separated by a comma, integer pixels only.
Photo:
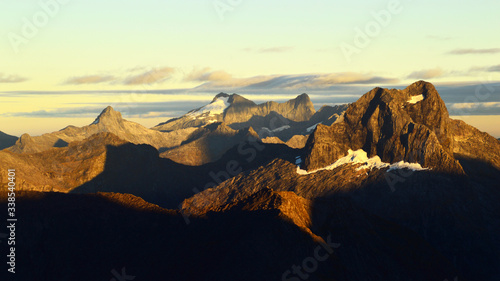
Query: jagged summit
[
  {"x": 220, "y": 95},
  {"x": 392, "y": 124},
  {"x": 108, "y": 115}
]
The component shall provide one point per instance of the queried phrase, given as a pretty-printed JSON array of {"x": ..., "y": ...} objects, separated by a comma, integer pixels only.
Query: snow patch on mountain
[
  {"x": 282, "y": 128},
  {"x": 361, "y": 157},
  {"x": 310, "y": 129},
  {"x": 415, "y": 99},
  {"x": 215, "y": 108}
]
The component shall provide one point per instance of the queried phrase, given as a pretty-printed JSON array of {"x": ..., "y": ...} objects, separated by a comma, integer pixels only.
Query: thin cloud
[
  {"x": 5, "y": 78},
  {"x": 150, "y": 77},
  {"x": 474, "y": 51},
  {"x": 476, "y": 108},
  {"x": 426, "y": 74},
  {"x": 297, "y": 82},
  {"x": 206, "y": 74},
  {"x": 90, "y": 79},
  {"x": 495, "y": 68},
  {"x": 471, "y": 105}
]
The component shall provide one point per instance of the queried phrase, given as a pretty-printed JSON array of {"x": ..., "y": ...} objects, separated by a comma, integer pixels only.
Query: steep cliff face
[
  {"x": 410, "y": 125},
  {"x": 470, "y": 143},
  {"x": 299, "y": 109}
]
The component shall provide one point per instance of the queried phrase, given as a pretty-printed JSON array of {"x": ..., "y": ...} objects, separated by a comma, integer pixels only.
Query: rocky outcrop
[
  {"x": 108, "y": 121},
  {"x": 410, "y": 125},
  {"x": 326, "y": 115},
  {"x": 473, "y": 144}
]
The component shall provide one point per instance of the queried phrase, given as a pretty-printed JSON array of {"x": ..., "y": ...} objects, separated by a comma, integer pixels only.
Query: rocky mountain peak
[
  {"x": 303, "y": 98},
  {"x": 304, "y": 103},
  {"x": 25, "y": 138},
  {"x": 108, "y": 116},
  {"x": 237, "y": 100},
  {"x": 410, "y": 125},
  {"x": 25, "y": 144},
  {"x": 220, "y": 95}
]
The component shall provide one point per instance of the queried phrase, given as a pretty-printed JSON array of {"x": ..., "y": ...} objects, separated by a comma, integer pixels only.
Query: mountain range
[{"x": 386, "y": 188}]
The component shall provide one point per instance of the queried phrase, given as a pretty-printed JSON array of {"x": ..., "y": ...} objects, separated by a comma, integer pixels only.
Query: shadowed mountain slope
[
  {"x": 257, "y": 238},
  {"x": 6, "y": 140},
  {"x": 207, "y": 144}
]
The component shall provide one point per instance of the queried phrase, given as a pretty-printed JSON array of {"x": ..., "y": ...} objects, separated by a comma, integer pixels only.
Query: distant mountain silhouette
[{"x": 6, "y": 140}]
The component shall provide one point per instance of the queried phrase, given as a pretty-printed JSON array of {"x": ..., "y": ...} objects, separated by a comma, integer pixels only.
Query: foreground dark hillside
[{"x": 86, "y": 237}]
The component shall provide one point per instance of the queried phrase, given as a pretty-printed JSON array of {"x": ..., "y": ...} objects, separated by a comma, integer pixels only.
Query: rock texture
[
  {"x": 240, "y": 109},
  {"x": 387, "y": 123},
  {"x": 108, "y": 121},
  {"x": 59, "y": 169},
  {"x": 470, "y": 143},
  {"x": 276, "y": 125}
]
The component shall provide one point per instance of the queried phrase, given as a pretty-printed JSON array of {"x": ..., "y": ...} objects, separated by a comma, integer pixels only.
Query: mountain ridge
[
  {"x": 108, "y": 120},
  {"x": 240, "y": 109}
]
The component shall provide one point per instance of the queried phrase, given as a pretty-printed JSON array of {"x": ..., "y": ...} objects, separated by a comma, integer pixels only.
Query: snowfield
[
  {"x": 215, "y": 108},
  {"x": 360, "y": 157}
]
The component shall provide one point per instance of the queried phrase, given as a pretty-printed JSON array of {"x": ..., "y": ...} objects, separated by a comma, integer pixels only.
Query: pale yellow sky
[{"x": 192, "y": 49}]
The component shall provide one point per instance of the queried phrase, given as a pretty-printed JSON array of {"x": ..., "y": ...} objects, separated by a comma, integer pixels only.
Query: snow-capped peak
[{"x": 216, "y": 107}]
